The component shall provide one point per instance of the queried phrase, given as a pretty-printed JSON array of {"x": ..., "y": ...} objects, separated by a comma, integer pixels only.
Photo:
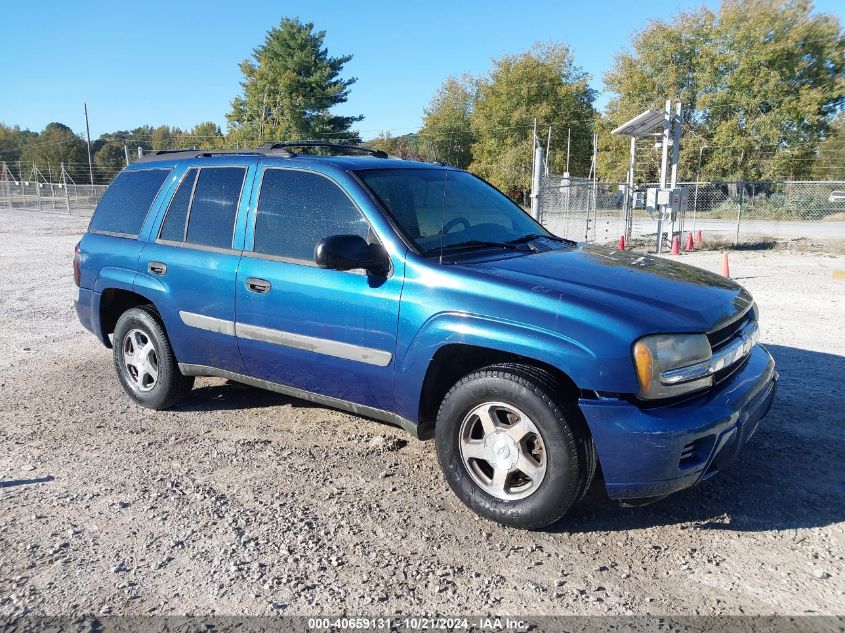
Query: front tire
[
  {"x": 511, "y": 449},
  {"x": 144, "y": 360}
]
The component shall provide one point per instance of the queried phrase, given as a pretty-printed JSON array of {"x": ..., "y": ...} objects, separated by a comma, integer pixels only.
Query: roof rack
[
  {"x": 376, "y": 153},
  {"x": 268, "y": 149},
  {"x": 176, "y": 154}
]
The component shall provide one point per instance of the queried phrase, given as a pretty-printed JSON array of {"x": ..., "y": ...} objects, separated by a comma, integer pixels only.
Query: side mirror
[{"x": 347, "y": 252}]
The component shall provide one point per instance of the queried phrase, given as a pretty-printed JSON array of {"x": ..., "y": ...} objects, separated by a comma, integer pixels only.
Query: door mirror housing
[{"x": 348, "y": 252}]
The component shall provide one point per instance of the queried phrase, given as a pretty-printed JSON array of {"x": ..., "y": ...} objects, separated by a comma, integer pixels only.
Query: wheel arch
[
  {"x": 113, "y": 303},
  {"x": 453, "y": 361}
]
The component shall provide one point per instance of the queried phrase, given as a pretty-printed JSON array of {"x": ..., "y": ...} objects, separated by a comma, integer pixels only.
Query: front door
[{"x": 325, "y": 331}]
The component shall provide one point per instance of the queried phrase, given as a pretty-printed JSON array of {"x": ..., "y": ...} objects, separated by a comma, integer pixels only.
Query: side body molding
[{"x": 328, "y": 347}]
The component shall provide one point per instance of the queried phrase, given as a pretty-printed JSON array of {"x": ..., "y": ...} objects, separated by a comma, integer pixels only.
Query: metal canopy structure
[
  {"x": 646, "y": 124},
  {"x": 643, "y": 124}
]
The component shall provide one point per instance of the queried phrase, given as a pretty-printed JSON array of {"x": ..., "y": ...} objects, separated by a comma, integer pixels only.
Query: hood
[{"x": 659, "y": 294}]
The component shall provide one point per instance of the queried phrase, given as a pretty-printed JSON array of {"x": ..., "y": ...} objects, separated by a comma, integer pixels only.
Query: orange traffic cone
[
  {"x": 700, "y": 241},
  {"x": 726, "y": 269},
  {"x": 676, "y": 246},
  {"x": 621, "y": 245},
  {"x": 689, "y": 243}
]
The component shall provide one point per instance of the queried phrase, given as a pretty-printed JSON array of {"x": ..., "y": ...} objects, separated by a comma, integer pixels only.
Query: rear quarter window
[{"x": 127, "y": 201}]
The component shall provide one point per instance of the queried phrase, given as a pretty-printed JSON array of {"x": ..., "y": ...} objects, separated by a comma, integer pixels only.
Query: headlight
[{"x": 670, "y": 365}]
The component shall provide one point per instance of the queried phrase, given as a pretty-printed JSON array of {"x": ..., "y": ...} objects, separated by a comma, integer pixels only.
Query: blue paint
[{"x": 578, "y": 308}]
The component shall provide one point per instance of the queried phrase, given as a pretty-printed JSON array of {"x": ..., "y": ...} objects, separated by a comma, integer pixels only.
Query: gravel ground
[{"x": 248, "y": 502}]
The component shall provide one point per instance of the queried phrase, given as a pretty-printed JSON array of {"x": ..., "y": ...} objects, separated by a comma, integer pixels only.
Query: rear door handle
[
  {"x": 156, "y": 268},
  {"x": 260, "y": 286}
]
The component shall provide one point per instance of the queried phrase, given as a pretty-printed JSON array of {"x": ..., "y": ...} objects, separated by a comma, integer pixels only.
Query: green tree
[
  {"x": 830, "y": 161},
  {"x": 109, "y": 159},
  {"x": 406, "y": 146},
  {"x": 12, "y": 140},
  {"x": 57, "y": 144},
  {"x": 206, "y": 135},
  {"x": 446, "y": 135},
  {"x": 542, "y": 84},
  {"x": 161, "y": 137},
  {"x": 289, "y": 88},
  {"x": 760, "y": 81}
]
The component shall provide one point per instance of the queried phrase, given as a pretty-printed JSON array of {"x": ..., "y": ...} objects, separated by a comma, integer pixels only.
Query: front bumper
[{"x": 655, "y": 452}]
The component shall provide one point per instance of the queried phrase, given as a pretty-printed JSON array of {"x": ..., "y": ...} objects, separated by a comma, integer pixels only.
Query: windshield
[{"x": 439, "y": 207}]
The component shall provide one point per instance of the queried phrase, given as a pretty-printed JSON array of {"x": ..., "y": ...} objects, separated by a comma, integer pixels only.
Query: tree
[
  {"x": 57, "y": 144},
  {"x": 830, "y": 161},
  {"x": 446, "y": 135},
  {"x": 760, "y": 81},
  {"x": 406, "y": 146},
  {"x": 289, "y": 88},
  {"x": 12, "y": 139},
  {"x": 109, "y": 159},
  {"x": 161, "y": 137},
  {"x": 542, "y": 84},
  {"x": 206, "y": 135}
]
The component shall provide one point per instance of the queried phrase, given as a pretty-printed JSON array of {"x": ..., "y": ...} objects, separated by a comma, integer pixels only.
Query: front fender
[{"x": 571, "y": 356}]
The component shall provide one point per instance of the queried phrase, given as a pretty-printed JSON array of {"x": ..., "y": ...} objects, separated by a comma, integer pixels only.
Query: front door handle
[
  {"x": 260, "y": 286},
  {"x": 156, "y": 268}
]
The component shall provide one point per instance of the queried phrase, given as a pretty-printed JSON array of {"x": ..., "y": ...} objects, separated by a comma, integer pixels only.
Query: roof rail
[
  {"x": 176, "y": 154},
  {"x": 376, "y": 153},
  {"x": 268, "y": 149}
]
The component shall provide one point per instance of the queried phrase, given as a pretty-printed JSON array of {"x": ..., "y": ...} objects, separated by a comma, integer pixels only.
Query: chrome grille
[{"x": 721, "y": 337}]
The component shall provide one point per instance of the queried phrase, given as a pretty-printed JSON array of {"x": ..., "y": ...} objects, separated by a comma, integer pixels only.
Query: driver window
[{"x": 296, "y": 209}]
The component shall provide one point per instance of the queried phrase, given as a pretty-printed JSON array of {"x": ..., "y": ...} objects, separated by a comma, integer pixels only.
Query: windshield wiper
[
  {"x": 535, "y": 236},
  {"x": 472, "y": 244}
]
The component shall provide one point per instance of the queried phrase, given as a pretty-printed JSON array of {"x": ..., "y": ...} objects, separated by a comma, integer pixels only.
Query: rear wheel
[
  {"x": 144, "y": 360},
  {"x": 511, "y": 449}
]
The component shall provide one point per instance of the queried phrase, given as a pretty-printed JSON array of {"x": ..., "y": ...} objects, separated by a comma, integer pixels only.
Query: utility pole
[
  {"x": 88, "y": 135},
  {"x": 664, "y": 160},
  {"x": 676, "y": 145},
  {"x": 697, "y": 181},
  {"x": 568, "y": 141},
  {"x": 536, "y": 175},
  {"x": 676, "y": 148}
]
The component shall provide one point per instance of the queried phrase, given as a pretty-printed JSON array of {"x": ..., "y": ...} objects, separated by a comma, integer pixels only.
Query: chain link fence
[
  {"x": 744, "y": 213},
  {"x": 581, "y": 209},
  {"x": 72, "y": 199},
  {"x": 53, "y": 187}
]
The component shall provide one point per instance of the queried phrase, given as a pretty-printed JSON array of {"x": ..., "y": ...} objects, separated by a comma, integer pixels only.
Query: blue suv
[{"x": 419, "y": 295}]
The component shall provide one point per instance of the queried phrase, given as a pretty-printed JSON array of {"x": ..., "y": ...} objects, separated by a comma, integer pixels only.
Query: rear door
[
  {"x": 192, "y": 261},
  {"x": 325, "y": 331}
]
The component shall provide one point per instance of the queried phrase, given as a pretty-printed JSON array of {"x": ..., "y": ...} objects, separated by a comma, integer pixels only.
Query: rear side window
[
  {"x": 174, "y": 223},
  {"x": 127, "y": 201},
  {"x": 297, "y": 209},
  {"x": 211, "y": 216}
]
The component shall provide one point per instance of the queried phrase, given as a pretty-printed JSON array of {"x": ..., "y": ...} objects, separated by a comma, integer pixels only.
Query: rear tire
[
  {"x": 555, "y": 457},
  {"x": 144, "y": 360}
]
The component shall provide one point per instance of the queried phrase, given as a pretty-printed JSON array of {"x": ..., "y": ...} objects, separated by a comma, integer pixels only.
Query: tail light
[{"x": 76, "y": 271}]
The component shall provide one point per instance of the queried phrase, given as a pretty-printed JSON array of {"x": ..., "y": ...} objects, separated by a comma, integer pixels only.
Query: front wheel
[
  {"x": 144, "y": 360},
  {"x": 510, "y": 449}
]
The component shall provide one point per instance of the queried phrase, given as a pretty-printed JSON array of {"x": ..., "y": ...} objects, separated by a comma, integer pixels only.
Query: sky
[{"x": 176, "y": 62}]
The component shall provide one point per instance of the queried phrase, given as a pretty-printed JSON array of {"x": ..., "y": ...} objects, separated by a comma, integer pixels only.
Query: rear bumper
[
  {"x": 655, "y": 452},
  {"x": 87, "y": 306}
]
